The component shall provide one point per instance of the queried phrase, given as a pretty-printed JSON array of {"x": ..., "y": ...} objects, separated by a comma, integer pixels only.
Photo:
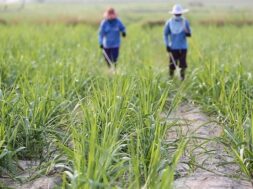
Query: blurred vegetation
[{"x": 58, "y": 104}]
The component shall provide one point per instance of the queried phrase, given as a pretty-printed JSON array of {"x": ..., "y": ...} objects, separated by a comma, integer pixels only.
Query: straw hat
[
  {"x": 110, "y": 14},
  {"x": 178, "y": 9}
]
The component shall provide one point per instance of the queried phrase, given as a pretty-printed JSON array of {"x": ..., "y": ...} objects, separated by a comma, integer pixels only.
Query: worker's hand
[
  {"x": 188, "y": 34},
  {"x": 168, "y": 49},
  {"x": 123, "y": 34},
  {"x": 102, "y": 46}
]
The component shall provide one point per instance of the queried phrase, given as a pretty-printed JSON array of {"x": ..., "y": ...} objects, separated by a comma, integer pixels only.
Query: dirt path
[
  {"x": 28, "y": 171},
  {"x": 205, "y": 164}
]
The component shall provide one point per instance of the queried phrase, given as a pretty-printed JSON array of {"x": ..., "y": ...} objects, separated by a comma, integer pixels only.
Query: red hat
[{"x": 110, "y": 14}]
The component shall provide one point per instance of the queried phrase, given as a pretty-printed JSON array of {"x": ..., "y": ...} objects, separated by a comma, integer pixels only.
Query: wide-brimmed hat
[
  {"x": 178, "y": 9},
  {"x": 110, "y": 13}
]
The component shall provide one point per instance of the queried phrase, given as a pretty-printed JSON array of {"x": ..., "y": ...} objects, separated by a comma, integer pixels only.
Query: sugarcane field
[{"x": 126, "y": 94}]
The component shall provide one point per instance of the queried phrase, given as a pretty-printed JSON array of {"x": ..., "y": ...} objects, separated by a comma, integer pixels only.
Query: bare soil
[
  {"x": 206, "y": 163},
  {"x": 27, "y": 172}
]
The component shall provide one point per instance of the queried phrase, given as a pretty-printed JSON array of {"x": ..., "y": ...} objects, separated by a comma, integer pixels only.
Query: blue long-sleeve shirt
[
  {"x": 109, "y": 33},
  {"x": 175, "y": 32}
]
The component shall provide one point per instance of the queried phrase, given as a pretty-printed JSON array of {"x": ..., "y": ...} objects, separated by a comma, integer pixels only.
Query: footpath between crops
[{"x": 205, "y": 164}]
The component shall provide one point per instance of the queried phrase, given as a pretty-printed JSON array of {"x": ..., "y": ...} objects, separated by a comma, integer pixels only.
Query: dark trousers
[
  {"x": 179, "y": 57},
  {"x": 112, "y": 54}
]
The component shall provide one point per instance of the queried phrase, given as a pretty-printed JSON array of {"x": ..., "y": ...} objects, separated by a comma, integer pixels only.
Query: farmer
[
  {"x": 176, "y": 30},
  {"x": 109, "y": 36}
]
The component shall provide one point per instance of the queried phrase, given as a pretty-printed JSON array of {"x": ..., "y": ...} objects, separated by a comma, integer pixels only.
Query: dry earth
[
  {"x": 28, "y": 171},
  {"x": 205, "y": 164}
]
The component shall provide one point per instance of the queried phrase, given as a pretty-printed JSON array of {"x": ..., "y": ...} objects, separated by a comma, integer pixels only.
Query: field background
[
  {"x": 66, "y": 116},
  {"x": 135, "y": 9}
]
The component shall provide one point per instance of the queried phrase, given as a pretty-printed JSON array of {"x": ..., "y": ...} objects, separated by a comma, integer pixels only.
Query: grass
[
  {"x": 60, "y": 106},
  {"x": 227, "y": 92}
]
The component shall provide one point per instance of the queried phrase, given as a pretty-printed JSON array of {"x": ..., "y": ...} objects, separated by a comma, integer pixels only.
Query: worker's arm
[
  {"x": 166, "y": 34},
  {"x": 122, "y": 28},
  {"x": 188, "y": 32},
  {"x": 101, "y": 34}
]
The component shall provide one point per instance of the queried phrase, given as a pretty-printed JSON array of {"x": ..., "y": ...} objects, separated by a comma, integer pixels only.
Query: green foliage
[
  {"x": 223, "y": 85},
  {"x": 60, "y": 104}
]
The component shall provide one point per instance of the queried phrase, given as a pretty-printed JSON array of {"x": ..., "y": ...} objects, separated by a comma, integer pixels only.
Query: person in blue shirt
[
  {"x": 110, "y": 31},
  {"x": 176, "y": 31}
]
